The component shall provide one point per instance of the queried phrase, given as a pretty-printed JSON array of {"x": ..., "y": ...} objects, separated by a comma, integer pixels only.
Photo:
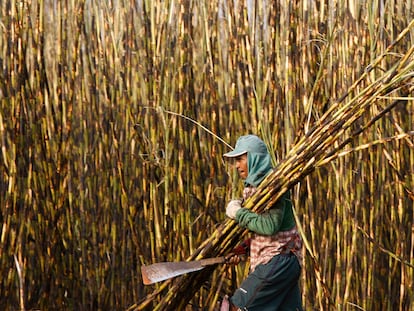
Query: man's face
[{"x": 241, "y": 166}]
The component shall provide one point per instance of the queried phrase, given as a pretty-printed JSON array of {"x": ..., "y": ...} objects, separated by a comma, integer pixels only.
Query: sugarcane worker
[{"x": 275, "y": 245}]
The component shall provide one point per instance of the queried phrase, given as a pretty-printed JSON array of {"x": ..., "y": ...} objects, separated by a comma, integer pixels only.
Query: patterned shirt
[{"x": 263, "y": 247}]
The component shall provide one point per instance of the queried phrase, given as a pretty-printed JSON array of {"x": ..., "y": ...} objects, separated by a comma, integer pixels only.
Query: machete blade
[{"x": 162, "y": 271}]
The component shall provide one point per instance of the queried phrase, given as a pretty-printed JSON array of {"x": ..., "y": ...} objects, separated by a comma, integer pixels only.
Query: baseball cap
[{"x": 247, "y": 143}]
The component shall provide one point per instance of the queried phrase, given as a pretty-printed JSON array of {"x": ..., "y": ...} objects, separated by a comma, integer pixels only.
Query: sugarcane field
[{"x": 177, "y": 155}]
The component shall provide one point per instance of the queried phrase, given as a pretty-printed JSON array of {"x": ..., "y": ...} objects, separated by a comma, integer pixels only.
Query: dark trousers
[{"x": 271, "y": 287}]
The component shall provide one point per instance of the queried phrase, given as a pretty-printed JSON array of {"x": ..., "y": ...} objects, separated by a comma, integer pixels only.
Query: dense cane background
[{"x": 114, "y": 116}]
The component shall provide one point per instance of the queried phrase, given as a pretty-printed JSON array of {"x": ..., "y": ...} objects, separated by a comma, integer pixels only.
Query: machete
[{"x": 161, "y": 271}]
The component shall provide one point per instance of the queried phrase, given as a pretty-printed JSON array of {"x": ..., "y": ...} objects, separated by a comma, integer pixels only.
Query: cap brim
[{"x": 234, "y": 153}]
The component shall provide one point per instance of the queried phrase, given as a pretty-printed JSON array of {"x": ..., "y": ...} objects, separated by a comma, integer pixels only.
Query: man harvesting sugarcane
[{"x": 275, "y": 245}]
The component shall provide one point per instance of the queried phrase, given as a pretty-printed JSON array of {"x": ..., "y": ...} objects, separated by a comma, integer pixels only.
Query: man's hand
[
  {"x": 232, "y": 207},
  {"x": 232, "y": 259}
]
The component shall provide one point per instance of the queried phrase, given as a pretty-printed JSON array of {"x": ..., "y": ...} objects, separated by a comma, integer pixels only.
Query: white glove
[{"x": 232, "y": 207}]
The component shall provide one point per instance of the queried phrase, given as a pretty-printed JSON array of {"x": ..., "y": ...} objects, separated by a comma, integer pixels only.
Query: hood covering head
[{"x": 259, "y": 162}]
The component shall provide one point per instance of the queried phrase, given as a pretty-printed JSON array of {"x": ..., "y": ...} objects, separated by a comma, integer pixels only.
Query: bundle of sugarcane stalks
[{"x": 324, "y": 142}]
